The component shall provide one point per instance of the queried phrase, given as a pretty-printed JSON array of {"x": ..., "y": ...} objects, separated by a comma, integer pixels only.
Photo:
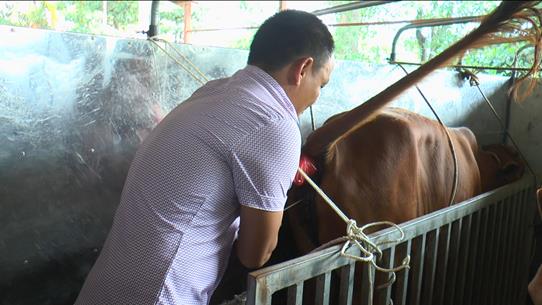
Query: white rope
[
  {"x": 238, "y": 299},
  {"x": 356, "y": 236}
]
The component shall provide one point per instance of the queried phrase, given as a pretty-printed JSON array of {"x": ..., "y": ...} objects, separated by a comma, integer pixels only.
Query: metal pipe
[
  {"x": 465, "y": 66},
  {"x": 153, "y": 26},
  {"x": 429, "y": 24},
  {"x": 370, "y": 23},
  {"x": 349, "y": 7}
]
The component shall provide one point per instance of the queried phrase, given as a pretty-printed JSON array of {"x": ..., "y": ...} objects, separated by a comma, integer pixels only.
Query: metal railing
[{"x": 474, "y": 252}]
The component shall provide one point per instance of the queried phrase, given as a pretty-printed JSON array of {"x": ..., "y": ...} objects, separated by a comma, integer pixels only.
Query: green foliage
[
  {"x": 122, "y": 13},
  {"x": 86, "y": 16},
  {"x": 171, "y": 21},
  {"x": 373, "y": 43},
  {"x": 360, "y": 43},
  {"x": 35, "y": 16}
]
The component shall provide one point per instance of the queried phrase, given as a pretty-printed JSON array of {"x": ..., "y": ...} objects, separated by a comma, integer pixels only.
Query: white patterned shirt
[{"x": 234, "y": 141}]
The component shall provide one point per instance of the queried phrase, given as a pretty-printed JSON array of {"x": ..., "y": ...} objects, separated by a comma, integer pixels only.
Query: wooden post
[
  {"x": 282, "y": 5},
  {"x": 187, "y": 21}
]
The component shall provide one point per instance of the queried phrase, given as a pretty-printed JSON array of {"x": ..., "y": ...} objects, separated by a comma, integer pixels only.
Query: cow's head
[{"x": 499, "y": 165}]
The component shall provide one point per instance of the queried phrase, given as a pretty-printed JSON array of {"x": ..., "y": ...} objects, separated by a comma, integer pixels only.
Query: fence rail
[{"x": 475, "y": 252}]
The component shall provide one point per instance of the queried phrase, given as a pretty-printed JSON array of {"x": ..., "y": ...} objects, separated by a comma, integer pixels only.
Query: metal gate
[{"x": 475, "y": 252}]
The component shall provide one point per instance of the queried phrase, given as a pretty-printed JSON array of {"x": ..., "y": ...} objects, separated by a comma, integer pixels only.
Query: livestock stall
[
  {"x": 73, "y": 109},
  {"x": 475, "y": 252}
]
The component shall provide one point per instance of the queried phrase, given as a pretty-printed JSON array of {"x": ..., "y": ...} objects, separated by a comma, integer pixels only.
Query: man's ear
[{"x": 299, "y": 69}]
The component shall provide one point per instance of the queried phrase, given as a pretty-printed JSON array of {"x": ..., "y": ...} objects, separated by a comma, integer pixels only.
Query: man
[{"x": 217, "y": 168}]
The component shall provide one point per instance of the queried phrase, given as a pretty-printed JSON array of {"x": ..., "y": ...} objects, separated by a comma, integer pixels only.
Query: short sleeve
[{"x": 264, "y": 164}]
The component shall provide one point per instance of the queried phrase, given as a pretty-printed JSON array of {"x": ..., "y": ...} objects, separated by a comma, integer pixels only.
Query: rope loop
[{"x": 371, "y": 252}]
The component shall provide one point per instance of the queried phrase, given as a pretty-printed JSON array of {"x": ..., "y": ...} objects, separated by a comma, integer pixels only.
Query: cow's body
[{"x": 395, "y": 167}]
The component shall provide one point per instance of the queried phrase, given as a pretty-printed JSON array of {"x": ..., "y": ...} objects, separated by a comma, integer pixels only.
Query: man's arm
[{"x": 258, "y": 235}]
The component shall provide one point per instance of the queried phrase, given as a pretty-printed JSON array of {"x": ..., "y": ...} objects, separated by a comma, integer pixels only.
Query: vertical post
[
  {"x": 282, "y": 5},
  {"x": 104, "y": 13},
  {"x": 187, "y": 21}
]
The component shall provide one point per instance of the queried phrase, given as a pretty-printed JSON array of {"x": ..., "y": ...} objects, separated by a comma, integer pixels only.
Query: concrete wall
[{"x": 74, "y": 108}]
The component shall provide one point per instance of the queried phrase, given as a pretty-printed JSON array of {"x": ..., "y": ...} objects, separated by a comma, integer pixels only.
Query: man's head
[{"x": 295, "y": 48}]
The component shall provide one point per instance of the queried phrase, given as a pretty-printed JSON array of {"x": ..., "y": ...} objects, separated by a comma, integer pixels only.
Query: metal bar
[
  {"x": 416, "y": 269},
  {"x": 323, "y": 284},
  {"x": 465, "y": 66},
  {"x": 495, "y": 273},
  {"x": 410, "y": 21},
  {"x": 517, "y": 259},
  {"x": 434, "y": 220},
  {"x": 512, "y": 242},
  {"x": 257, "y": 293},
  {"x": 510, "y": 211},
  {"x": 264, "y": 282},
  {"x": 153, "y": 26},
  {"x": 486, "y": 263},
  {"x": 401, "y": 284},
  {"x": 482, "y": 246},
  {"x": 472, "y": 264},
  {"x": 347, "y": 284},
  {"x": 431, "y": 256},
  {"x": 367, "y": 283},
  {"x": 294, "y": 271},
  {"x": 295, "y": 294},
  {"x": 442, "y": 263},
  {"x": 464, "y": 255},
  {"x": 349, "y": 7},
  {"x": 505, "y": 258},
  {"x": 525, "y": 251},
  {"x": 454, "y": 261},
  {"x": 383, "y": 295},
  {"x": 340, "y": 24},
  {"x": 428, "y": 24}
]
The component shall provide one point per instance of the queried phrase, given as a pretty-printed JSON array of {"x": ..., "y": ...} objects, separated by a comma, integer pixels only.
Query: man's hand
[
  {"x": 535, "y": 287},
  {"x": 258, "y": 235}
]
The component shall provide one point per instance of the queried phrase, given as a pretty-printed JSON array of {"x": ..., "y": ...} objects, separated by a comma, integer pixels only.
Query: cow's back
[{"x": 395, "y": 167}]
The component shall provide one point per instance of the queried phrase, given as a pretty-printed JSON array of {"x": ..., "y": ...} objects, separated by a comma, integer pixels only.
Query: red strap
[{"x": 306, "y": 164}]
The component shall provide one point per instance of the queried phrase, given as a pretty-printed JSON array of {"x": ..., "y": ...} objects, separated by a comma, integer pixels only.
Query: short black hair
[{"x": 287, "y": 36}]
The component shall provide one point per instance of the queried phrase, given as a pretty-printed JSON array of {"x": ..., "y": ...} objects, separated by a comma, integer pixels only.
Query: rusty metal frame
[
  {"x": 453, "y": 251},
  {"x": 349, "y": 7},
  {"x": 441, "y": 22}
]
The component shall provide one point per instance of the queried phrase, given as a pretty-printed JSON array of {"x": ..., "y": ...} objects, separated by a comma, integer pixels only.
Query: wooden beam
[
  {"x": 282, "y": 5},
  {"x": 187, "y": 5}
]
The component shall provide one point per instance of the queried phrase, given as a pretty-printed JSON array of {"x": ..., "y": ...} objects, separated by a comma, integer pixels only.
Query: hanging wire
[
  {"x": 473, "y": 81},
  {"x": 450, "y": 142}
]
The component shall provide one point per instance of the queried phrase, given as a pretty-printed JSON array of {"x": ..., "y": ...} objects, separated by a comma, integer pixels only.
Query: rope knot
[{"x": 470, "y": 76}]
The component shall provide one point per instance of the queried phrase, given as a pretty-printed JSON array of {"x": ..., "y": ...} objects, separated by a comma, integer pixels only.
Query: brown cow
[{"x": 399, "y": 166}]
